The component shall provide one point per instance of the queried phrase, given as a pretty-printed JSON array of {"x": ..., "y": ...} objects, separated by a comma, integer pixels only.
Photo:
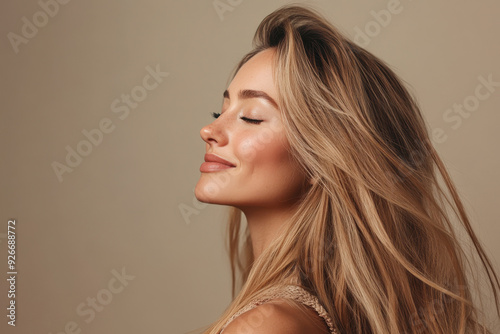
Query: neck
[{"x": 264, "y": 224}]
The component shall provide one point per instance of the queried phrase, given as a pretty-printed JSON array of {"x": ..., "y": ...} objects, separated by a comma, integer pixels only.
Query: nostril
[{"x": 207, "y": 134}]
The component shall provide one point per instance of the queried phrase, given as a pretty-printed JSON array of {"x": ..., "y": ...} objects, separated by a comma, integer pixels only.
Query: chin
[
  {"x": 206, "y": 194},
  {"x": 199, "y": 194}
]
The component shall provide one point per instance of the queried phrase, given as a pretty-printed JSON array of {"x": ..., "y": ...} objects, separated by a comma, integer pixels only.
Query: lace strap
[{"x": 292, "y": 292}]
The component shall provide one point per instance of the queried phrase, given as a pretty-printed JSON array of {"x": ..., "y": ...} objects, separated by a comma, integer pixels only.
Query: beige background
[{"x": 120, "y": 207}]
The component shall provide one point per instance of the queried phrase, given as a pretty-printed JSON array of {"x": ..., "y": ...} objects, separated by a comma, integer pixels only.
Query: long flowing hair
[{"x": 380, "y": 236}]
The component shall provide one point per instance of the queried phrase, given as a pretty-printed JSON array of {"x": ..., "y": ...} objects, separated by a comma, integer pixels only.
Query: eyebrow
[{"x": 250, "y": 94}]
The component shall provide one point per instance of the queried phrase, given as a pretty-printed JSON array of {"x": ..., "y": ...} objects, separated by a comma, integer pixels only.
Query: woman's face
[{"x": 249, "y": 134}]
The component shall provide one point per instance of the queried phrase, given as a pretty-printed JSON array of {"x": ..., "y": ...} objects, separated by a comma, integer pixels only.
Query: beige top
[{"x": 292, "y": 292}]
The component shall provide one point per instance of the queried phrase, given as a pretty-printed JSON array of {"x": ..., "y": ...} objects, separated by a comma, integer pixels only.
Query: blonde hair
[{"x": 374, "y": 236}]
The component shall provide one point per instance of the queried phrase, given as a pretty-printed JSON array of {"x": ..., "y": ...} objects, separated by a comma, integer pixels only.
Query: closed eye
[
  {"x": 249, "y": 120},
  {"x": 246, "y": 119}
]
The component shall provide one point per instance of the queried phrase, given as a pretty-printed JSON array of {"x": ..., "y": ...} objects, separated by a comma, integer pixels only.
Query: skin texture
[
  {"x": 266, "y": 182},
  {"x": 277, "y": 317}
]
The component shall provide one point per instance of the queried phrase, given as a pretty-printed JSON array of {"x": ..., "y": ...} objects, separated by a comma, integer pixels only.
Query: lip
[{"x": 214, "y": 163}]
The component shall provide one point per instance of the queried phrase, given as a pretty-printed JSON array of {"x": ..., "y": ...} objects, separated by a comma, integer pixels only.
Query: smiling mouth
[
  {"x": 211, "y": 166},
  {"x": 214, "y": 163}
]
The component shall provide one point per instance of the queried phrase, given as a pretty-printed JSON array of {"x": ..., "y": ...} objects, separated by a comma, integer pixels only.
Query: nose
[{"x": 213, "y": 134}]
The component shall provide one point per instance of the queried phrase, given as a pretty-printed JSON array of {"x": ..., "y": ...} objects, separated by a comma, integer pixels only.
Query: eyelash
[{"x": 248, "y": 120}]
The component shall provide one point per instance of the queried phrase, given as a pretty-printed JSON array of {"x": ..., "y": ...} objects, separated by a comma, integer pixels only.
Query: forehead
[{"x": 256, "y": 74}]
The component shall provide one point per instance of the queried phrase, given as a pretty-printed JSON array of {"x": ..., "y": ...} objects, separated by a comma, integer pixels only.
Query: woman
[{"x": 349, "y": 209}]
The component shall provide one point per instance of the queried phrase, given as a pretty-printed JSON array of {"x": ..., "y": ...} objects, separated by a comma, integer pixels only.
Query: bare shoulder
[{"x": 278, "y": 317}]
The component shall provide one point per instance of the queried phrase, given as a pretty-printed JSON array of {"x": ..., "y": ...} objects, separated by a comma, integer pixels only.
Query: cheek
[
  {"x": 248, "y": 149},
  {"x": 253, "y": 144},
  {"x": 264, "y": 152}
]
